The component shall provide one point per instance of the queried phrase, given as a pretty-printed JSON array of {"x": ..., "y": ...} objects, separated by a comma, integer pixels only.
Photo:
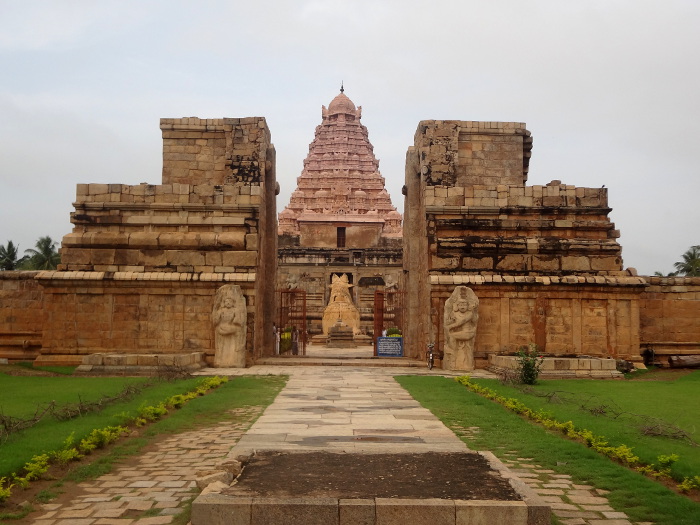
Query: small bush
[
  {"x": 152, "y": 413},
  {"x": 689, "y": 484},
  {"x": 5, "y": 489},
  {"x": 529, "y": 364},
  {"x": 100, "y": 437}
]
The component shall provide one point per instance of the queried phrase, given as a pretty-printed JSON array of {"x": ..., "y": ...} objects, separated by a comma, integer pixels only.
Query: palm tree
[
  {"x": 8, "y": 256},
  {"x": 44, "y": 257},
  {"x": 690, "y": 265}
]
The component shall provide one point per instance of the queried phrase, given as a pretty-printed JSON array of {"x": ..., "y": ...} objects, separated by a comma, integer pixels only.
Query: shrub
[
  {"x": 529, "y": 364},
  {"x": 152, "y": 413},
  {"x": 5, "y": 489},
  {"x": 689, "y": 484},
  {"x": 393, "y": 332},
  {"x": 36, "y": 467},
  {"x": 100, "y": 437}
]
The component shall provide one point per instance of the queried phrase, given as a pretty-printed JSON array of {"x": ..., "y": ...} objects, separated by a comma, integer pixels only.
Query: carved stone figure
[
  {"x": 229, "y": 317},
  {"x": 340, "y": 306},
  {"x": 293, "y": 281},
  {"x": 460, "y": 319},
  {"x": 390, "y": 284}
]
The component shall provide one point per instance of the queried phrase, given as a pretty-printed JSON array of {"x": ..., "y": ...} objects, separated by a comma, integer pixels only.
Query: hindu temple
[
  {"x": 199, "y": 269},
  {"x": 340, "y": 224}
]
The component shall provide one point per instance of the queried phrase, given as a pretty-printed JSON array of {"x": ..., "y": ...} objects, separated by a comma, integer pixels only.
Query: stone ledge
[
  {"x": 138, "y": 364},
  {"x": 145, "y": 276},
  {"x": 544, "y": 280},
  {"x": 561, "y": 367}
]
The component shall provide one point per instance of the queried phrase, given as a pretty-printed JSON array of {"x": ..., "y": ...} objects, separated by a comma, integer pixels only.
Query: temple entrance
[{"x": 291, "y": 333}]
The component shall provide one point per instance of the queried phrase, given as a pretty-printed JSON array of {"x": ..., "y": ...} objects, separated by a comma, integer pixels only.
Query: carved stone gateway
[
  {"x": 229, "y": 318},
  {"x": 460, "y": 319}
]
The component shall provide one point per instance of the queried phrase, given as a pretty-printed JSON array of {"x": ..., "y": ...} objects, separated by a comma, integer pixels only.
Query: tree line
[{"x": 43, "y": 256}]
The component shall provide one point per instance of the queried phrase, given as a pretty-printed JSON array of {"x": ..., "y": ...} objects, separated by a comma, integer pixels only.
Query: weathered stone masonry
[
  {"x": 140, "y": 269},
  {"x": 543, "y": 260},
  {"x": 143, "y": 262}
]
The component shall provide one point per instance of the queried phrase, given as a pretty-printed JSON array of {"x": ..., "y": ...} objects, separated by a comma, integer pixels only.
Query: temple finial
[{"x": 342, "y": 89}]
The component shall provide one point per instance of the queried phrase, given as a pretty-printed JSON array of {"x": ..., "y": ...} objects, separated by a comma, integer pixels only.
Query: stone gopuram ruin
[
  {"x": 544, "y": 261},
  {"x": 141, "y": 269}
]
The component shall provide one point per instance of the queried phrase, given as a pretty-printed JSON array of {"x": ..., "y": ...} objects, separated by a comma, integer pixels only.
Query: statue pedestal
[{"x": 340, "y": 336}]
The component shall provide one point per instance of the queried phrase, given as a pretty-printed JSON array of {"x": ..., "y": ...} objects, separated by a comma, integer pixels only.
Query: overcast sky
[{"x": 609, "y": 89}]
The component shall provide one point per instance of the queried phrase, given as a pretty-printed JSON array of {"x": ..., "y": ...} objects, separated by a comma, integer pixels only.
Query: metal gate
[
  {"x": 291, "y": 336},
  {"x": 388, "y": 312}
]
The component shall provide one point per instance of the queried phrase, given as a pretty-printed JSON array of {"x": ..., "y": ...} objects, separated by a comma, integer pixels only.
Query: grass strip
[
  {"x": 220, "y": 404},
  {"x": 50, "y": 434},
  {"x": 628, "y": 402},
  {"x": 501, "y": 431}
]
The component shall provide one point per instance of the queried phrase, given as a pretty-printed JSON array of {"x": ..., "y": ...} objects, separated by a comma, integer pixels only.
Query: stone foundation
[
  {"x": 140, "y": 364},
  {"x": 561, "y": 367}
]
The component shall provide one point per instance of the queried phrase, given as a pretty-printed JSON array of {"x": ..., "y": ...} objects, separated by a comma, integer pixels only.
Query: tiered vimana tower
[{"x": 340, "y": 219}]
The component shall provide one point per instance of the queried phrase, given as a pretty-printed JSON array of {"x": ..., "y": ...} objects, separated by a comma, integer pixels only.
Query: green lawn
[
  {"x": 500, "y": 431},
  {"x": 620, "y": 411},
  {"x": 20, "y": 396}
]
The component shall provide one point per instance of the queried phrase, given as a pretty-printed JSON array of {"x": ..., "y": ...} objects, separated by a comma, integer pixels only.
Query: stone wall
[
  {"x": 670, "y": 316},
  {"x": 543, "y": 260},
  {"x": 564, "y": 317},
  {"x": 141, "y": 267},
  {"x": 133, "y": 313},
  {"x": 466, "y": 153},
  {"x": 21, "y": 317},
  {"x": 213, "y": 151}
]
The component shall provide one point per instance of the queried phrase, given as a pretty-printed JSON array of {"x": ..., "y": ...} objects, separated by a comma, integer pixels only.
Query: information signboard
[{"x": 390, "y": 347}]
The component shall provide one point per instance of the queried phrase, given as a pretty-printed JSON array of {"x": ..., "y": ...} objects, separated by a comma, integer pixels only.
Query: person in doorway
[
  {"x": 295, "y": 341},
  {"x": 276, "y": 335}
]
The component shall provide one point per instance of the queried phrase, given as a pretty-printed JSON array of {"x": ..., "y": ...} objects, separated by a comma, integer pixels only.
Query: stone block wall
[
  {"x": 554, "y": 229},
  {"x": 167, "y": 228},
  {"x": 21, "y": 318},
  {"x": 133, "y": 313},
  {"x": 565, "y": 317},
  {"x": 545, "y": 258},
  {"x": 213, "y": 151},
  {"x": 141, "y": 267},
  {"x": 467, "y": 153},
  {"x": 670, "y": 316}
]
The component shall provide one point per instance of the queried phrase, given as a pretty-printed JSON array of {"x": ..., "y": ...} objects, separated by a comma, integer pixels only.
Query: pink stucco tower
[{"x": 340, "y": 200}]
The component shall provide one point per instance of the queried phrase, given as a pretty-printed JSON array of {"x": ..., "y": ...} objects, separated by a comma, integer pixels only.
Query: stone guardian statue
[
  {"x": 229, "y": 317},
  {"x": 460, "y": 319}
]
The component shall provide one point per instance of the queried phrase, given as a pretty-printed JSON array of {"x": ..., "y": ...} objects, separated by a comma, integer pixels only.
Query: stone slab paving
[
  {"x": 571, "y": 503},
  {"x": 157, "y": 487},
  {"x": 353, "y": 409}
]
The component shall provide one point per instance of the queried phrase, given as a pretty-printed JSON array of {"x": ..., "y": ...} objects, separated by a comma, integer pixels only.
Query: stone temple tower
[
  {"x": 340, "y": 200},
  {"x": 340, "y": 218}
]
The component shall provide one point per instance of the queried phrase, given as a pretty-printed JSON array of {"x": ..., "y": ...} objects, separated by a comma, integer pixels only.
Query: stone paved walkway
[
  {"x": 573, "y": 504},
  {"x": 321, "y": 408},
  {"x": 155, "y": 489}
]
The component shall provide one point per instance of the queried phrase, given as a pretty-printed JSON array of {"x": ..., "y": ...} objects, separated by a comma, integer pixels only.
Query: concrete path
[{"x": 321, "y": 408}]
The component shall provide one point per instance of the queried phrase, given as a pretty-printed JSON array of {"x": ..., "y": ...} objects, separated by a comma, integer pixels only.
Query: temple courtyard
[{"x": 352, "y": 411}]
